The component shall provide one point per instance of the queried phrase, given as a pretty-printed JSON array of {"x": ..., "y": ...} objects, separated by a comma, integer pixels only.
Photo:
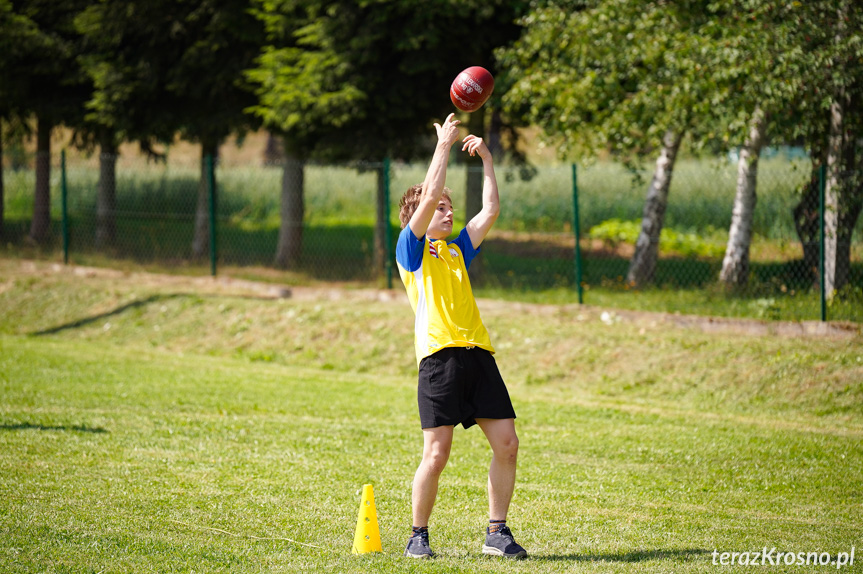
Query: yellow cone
[{"x": 368, "y": 535}]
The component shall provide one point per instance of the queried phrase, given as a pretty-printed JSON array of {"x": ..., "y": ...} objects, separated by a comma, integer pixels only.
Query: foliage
[
  {"x": 608, "y": 76},
  {"x": 162, "y": 67},
  {"x": 334, "y": 68},
  {"x": 18, "y": 34},
  {"x": 614, "y": 75},
  {"x": 38, "y": 73},
  {"x": 613, "y": 232}
]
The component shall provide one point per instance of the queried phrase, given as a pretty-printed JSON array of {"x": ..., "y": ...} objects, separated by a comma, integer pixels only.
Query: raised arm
[
  {"x": 435, "y": 177},
  {"x": 479, "y": 225}
]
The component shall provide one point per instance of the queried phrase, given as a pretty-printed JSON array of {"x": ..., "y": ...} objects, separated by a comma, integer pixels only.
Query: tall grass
[
  {"x": 529, "y": 253},
  {"x": 700, "y": 199}
]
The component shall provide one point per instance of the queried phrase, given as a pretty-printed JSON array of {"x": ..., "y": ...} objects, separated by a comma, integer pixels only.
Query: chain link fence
[{"x": 309, "y": 223}]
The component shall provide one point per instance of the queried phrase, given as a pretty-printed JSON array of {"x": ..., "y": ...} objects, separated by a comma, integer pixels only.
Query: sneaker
[
  {"x": 501, "y": 543},
  {"x": 418, "y": 546}
]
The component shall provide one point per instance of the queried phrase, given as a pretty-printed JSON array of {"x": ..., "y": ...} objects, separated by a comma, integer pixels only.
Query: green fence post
[
  {"x": 211, "y": 188},
  {"x": 387, "y": 232},
  {"x": 64, "y": 211},
  {"x": 822, "y": 173},
  {"x": 577, "y": 230}
]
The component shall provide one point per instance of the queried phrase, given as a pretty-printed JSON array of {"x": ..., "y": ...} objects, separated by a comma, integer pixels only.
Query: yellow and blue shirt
[{"x": 438, "y": 287}]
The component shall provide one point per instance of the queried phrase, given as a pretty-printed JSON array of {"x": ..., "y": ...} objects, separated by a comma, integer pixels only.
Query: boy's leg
[
  {"x": 501, "y": 481},
  {"x": 437, "y": 442},
  {"x": 501, "y": 474}
]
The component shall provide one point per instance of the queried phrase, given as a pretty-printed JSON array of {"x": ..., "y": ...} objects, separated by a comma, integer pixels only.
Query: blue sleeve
[
  {"x": 409, "y": 250},
  {"x": 466, "y": 245}
]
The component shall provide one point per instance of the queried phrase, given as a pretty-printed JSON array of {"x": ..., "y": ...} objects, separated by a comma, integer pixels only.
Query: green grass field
[{"x": 170, "y": 424}]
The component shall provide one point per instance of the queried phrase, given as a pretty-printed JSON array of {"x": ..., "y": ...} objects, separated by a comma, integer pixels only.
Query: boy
[{"x": 459, "y": 382}]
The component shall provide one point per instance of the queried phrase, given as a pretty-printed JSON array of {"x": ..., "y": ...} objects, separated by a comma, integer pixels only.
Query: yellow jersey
[{"x": 438, "y": 287}]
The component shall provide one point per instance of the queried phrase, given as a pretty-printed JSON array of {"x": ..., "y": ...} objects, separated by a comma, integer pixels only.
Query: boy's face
[{"x": 441, "y": 223}]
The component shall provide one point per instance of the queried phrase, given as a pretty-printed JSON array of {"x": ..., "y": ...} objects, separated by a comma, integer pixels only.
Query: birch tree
[
  {"x": 621, "y": 77},
  {"x": 817, "y": 48},
  {"x": 643, "y": 264},
  {"x": 764, "y": 65},
  {"x": 844, "y": 185},
  {"x": 617, "y": 76},
  {"x": 735, "y": 264}
]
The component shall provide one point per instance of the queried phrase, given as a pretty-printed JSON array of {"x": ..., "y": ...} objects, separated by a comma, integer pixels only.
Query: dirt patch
[{"x": 554, "y": 246}]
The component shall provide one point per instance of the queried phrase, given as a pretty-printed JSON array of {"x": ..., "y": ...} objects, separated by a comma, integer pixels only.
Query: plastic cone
[{"x": 368, "y": 534}]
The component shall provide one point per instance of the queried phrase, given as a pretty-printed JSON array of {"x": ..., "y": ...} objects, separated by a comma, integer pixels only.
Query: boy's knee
[
  {"x": 435, "y": 460},
  {"x": 508, "y": 448}
]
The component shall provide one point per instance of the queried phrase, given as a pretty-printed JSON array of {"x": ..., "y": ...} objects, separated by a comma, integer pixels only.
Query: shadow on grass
[
  {"x": 33, "y": 426},
  {"x": 121, "y": 309},
  {"x": 133, "y": 305},
  {"x": 636, "y": 556}
]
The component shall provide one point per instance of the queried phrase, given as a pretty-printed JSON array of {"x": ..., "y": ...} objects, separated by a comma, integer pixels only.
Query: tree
[
  {"x": 619, "y": 76},
  {"x": 127, "y": 102},
  {"x": 303, "y": 94},
  {"x": 162, "y": 67},
  {"x": 337, "y": 82},
  {"x": 763, "y": 69},
  {"x": 815, "y": 51},
  {"x": 735, "y": 265},
  {"x": 17, "y": 35},
  {"x": 42, "y": 78},
  {"x": 844, "y": 189},
  {"x": 616, "y": 75}
]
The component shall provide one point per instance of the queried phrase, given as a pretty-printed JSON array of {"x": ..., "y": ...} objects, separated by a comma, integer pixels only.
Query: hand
[
  {"x": 475, "y": 145},
  {"x": 448, "y": 132}
]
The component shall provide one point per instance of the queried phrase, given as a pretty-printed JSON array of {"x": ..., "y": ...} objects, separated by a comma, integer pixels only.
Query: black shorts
[{"x": 460, "y": 385}]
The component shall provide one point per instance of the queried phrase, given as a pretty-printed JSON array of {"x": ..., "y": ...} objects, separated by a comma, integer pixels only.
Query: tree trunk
[
  {"x": 842, "y": 194},
  {"x": 292, "y": 211},
  {"x": 835, "y": 167},
  {"x": 850, "y": 212},
  {"x": 106, "y": 201},
  {"x": 495, "y": 143},
  {"x": 473, "y": 188},
  {"x": 843, "y": 199},
  {"x": 2, "y": 188},
  {"x": 380, "y": 247},
  {"x": 473, "y": 194},
  {"x": 643, "y": 264},
  {"x": 201, "y": 240},
  {"x": 273, "y": 153},
  {"x": 41, "y": 222},
  {"x": 807, "y": 222},
  {"x": 735, "y": 265}
]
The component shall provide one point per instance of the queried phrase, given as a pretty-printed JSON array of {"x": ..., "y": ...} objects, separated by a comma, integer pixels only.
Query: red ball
[{"x": 471, "y": 89}]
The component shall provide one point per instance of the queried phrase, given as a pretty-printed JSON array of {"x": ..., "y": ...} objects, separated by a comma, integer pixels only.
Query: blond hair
[{"x": 411, "y": 199}]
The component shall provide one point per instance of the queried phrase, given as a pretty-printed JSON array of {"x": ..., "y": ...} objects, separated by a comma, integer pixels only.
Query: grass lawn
[{"x": 178, "y": 425}]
